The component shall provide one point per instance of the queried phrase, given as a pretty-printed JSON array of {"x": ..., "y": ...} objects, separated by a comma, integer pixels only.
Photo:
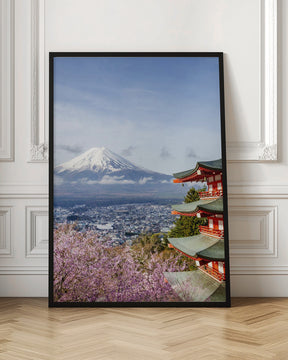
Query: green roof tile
[
  {"x": 213, "y": 206},
  {"x": 219, "y": 295},
  {"x": 203, "y": 246},
  {"x": 214, "y": 252},
  {"x": 195, "y": 286},
  {"x": 211, "y": 165},
  {"x": 193, "y": 244}
]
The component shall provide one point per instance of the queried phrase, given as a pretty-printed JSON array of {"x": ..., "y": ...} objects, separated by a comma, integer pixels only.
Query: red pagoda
[{"x": 207, "y": 283}]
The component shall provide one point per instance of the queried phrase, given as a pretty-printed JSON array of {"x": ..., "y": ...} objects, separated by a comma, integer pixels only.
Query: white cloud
[
  {"x": 144, "y": 180},
  {"x": 74, "y": 149},
  {"x": 89, "y": 182},
  {"x": 109, "y": 180}
]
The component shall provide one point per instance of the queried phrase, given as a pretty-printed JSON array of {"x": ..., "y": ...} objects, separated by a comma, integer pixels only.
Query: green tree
[
  {"x": 151, "y": 243},
  {"x": 192, "y": 195},
  {"x": 188, "y": 225},
  {"x": 148, "y": 244}
]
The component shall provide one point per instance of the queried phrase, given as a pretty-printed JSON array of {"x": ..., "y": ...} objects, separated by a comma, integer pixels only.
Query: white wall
[{"x": 245, "y": 30}]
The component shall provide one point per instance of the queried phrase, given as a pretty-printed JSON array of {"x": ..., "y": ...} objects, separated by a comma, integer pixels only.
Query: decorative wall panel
[
  {"x": 7, "y": 80},
  {"x": 266, "y": 148},
  {"x": 5, "y": 231},
  {"x": 253, "y": 231},
  {"x": 39, "y": 144},
  {"x": 36, "y": 231}
]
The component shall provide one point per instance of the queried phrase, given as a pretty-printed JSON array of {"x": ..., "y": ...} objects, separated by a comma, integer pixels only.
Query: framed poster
[{"x": 138, "y": 189}]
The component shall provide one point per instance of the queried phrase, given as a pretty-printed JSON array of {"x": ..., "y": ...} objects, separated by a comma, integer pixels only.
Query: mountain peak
[
  {"x": 100, "y": 166},
  {"x": 96, "y": 159},
  {"x": 99, "y": 150}
]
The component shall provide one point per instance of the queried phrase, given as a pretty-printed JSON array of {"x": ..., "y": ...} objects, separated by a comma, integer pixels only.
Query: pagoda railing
[
  {"x": 210, "y": 194},
  {"x": 212, "y": 272},
  {"x": 205, "y": 230}
]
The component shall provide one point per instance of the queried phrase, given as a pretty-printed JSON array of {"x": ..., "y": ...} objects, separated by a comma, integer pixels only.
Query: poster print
[{"x": 138, "y": 202}]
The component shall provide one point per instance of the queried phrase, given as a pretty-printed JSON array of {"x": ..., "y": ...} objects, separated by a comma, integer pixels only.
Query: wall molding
[
  {"x": 23, "y": 191},
  {"x": 39, "y": 152},
  {"x": 266, "y": 148},
  {"x": 39, "y": 138},
  {"x": 263, "y": 217},
  {"x": 259, "y": 270},
  {"x": 7, "y": 80},
  {"x": 257, "y": 190},
  {"x": 24, "y": 270},
  {"x": 5, "y": 231},
  {"x": 36, "y": 231}
]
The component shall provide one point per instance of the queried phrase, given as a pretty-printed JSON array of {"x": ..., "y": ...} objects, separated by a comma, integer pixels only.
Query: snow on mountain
[
  {"x": 96, "y": 159},
  {"x": 102, "y": 166}
]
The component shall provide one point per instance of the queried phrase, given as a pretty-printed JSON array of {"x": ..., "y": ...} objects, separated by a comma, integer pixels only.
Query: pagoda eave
[
  {"x": 202, "y": 206},
  {"x": 174, "y": 212},
  {"x": 200, "y": 246},
  {"x": 201, "y": 176},
  {"x": 196, "y": 286},
  {"x": 201, "y": 170},
  {"x": 215, "y": 253},
  {"x": 204, "y": 214},
  {"x": 195, "y": 258}
]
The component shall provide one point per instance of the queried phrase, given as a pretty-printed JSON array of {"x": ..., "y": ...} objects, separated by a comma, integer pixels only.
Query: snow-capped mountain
[
  {"x": 102, "y": 166},
  {"x": 96, "y": 159}
]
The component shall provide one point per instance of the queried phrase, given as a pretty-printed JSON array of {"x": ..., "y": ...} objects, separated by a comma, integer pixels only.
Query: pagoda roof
[
  {"x": 196, "y": 286},
  {"x": 209, "y": 206},
  {"x": 200, "y": 246},
  {"x": 220, "y": 294},
  {"x": 214, "y": 165},
  {"x": 214, "y": 252}
]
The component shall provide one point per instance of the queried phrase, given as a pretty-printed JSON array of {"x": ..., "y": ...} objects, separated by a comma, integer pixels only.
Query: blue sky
[{"x": 160, "y": 113}]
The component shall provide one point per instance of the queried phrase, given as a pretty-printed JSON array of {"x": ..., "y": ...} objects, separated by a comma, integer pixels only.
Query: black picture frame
[{"x": 52, "y": 56}]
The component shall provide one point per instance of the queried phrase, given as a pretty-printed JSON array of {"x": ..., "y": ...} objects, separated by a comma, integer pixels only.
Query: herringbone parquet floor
[{"x": 255, "y": 329}]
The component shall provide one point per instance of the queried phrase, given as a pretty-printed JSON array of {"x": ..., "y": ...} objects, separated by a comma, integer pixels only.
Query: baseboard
[
  {"x": 23, "y": 285},
  {"x": 259, "y": 286}
]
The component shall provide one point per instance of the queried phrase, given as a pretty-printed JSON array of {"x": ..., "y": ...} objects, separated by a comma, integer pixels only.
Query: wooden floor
[{"x": 252, "y": 329}]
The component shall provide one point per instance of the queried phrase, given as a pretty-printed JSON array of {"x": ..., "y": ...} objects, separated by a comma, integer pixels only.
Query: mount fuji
[{"x": 100, "y": 166}]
